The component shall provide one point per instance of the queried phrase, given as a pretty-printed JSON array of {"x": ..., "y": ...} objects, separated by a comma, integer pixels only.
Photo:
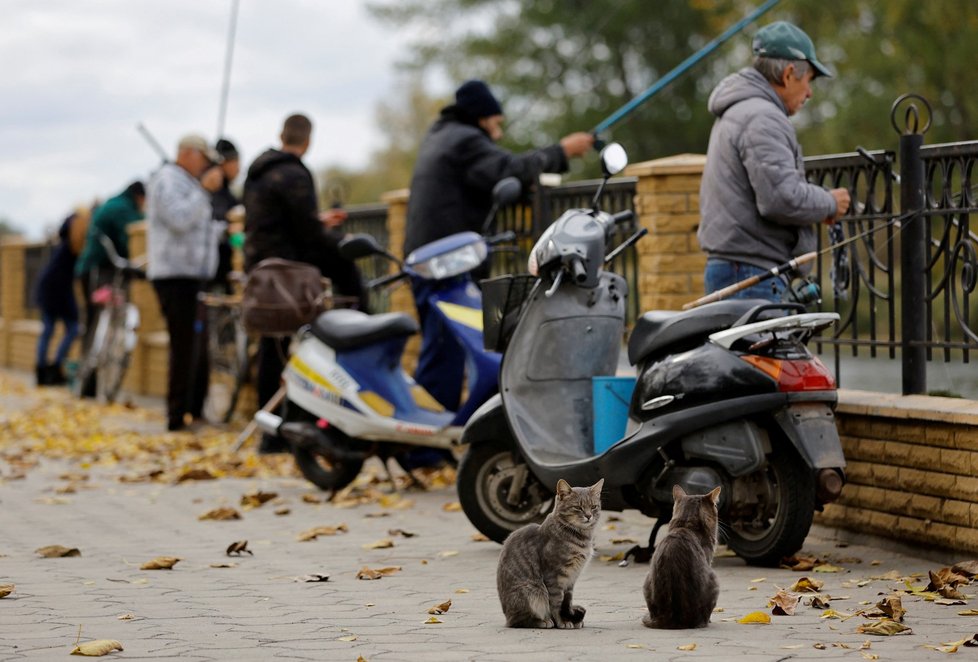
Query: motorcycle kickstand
[{"x": 641, "y": 554}]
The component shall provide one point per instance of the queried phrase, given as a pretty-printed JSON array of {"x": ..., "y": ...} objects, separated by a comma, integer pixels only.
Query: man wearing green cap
[{"x": 757, "y": 209}]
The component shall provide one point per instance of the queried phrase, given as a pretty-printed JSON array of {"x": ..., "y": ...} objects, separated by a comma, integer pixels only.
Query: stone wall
[{"x": 912, "y": 469}]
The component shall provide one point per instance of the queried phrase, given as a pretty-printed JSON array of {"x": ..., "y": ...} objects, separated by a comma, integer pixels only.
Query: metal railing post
[{"x": 913, "y": 248}]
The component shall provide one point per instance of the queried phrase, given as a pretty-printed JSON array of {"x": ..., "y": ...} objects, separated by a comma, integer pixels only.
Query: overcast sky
[{"x": 79, "y": 76}]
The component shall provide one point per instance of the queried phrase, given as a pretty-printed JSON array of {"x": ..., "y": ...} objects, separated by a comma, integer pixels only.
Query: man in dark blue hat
[
  {"x": 458, "y": 165},
  {"x": 758, "y": 211}
]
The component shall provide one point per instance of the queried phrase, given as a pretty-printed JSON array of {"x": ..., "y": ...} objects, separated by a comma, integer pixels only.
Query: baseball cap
[
  {"x": 788, "y": 42},
  {"x": 198, "y": 142}
]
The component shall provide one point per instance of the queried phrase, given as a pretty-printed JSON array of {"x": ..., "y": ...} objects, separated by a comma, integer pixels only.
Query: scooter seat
[
  {"x": 344, "y": 329},
  {"x": 658, "y": 329}
]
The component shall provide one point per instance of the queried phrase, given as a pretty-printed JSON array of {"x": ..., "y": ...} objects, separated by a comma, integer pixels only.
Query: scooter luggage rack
[{"x": 503, "y": 298}]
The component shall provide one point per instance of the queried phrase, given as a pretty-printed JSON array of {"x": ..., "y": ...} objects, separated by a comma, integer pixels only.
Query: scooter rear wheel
[
  {"x": 486, "y": 477},
  {"x": 780, "y": 529},
  {"x": 328, "y": 474}
]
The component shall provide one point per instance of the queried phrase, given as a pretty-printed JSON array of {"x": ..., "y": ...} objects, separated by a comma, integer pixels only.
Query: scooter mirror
[
  {"x": 359, "y": 245},
  {"x": 507, "y": 191},
  {"x": 613, "y": 159}
]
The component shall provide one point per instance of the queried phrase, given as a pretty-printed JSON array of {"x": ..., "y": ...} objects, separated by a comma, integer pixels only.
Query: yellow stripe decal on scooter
[
  {"x": 470, "y": 317},
  {"x": 303, "y": 369},
  {"x": 424, "y": 399},
  {"x": 377, "y": 403}
]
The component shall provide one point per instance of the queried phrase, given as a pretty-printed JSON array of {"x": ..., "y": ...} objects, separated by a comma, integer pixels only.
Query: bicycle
[
  {"x": 229, "y": 351},
  {"x": 114, "y": 337}
]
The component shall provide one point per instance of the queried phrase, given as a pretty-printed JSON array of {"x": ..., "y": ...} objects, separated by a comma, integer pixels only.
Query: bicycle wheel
[
  {"x": 227, "y": 346},
  {"x": 85, "y": 379},
  {"x": 114, "y": 357}
]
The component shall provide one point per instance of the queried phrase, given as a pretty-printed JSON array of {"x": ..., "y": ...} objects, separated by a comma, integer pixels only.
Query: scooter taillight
[{"x": 794, "y": 375}]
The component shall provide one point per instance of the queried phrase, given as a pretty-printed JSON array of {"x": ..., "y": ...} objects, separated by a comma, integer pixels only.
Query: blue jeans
[
  {"x": 48, "y": 321},
  {"x": 721, "y": 273}
]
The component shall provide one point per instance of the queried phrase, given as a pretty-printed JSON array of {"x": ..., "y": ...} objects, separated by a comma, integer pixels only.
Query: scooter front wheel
[
  {"x": 779, "y": 523},
  {"x": 497, "y": 491}
]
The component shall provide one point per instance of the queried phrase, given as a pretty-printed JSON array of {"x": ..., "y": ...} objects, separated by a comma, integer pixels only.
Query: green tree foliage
[
  {"x": 564, "y": 65},
  {"x": 7, "y": 227}
]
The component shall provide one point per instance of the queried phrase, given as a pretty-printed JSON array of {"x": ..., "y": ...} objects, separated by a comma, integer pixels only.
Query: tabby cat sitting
[
  {"x": 540, "y": 563},
  {"x": 681, "y": 588}
]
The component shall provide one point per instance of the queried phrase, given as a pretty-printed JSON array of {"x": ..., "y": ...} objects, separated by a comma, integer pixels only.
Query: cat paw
[{"x": 576, "y": 614}]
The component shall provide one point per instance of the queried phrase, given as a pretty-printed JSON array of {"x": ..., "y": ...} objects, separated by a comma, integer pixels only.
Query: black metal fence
[
  {"x": 905, "y": 286},
  {"x": 372, "y": 220}
]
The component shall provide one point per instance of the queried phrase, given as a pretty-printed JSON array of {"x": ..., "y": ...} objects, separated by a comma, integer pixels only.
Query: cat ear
[
  {"x": 563, "y": 489},
  {"x": 715, "y": 495},
  {"x": 596, "y": 489},
  {"x": 677, "y": 493}
]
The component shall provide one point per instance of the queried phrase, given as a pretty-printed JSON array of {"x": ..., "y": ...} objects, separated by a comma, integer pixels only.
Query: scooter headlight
[{"x": 459, "y": 261}]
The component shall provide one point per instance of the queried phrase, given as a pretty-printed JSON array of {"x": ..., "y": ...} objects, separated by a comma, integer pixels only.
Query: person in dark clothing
[
  {"x": 458, "y": 165},
  {"x": 282, "y": 220},
  {"x": 223, "y": 201},
  {"x": 56, "y": 299}
]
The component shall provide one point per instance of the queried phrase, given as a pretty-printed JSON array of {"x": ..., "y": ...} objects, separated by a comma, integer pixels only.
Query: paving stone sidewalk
[{"x": 257, "y": 610}]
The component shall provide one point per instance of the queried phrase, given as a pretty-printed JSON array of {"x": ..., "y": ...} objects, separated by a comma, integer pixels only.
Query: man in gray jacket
[
  {"x": 182, "y": 242},
  {"x": 757, "y": 209}
]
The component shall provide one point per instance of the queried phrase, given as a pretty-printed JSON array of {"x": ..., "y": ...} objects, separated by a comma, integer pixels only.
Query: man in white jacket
[{"x": 182, "y": 245}]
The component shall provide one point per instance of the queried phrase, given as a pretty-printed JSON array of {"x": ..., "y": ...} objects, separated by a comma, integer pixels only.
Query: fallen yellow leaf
[
  {"x": 825, "y": 567},
  {"x": 349, "y": 637},
  {"x": 686, "y": 647},
  {"x": 385, "y": 543},
  {"x": 97, "y": 648},
  {"x": 160, "y": 563},
  {"x": 442, "y": 608},
  {"x": 431, "y": 620},
  {"x": 806, "y": 585},
  {"x": 6, "y": 589},
  {"x": 755, "y": 617},
  {"x": 968, "y": 612},
  {"x": 125, "y": 617},
  {"x": 371, "y": 573},
  {"x": 220, "y": 514},
  {"x": 57, "y": 551},
  {"x": 884, "y": 628},
  {"x": 452, "y": 507}
]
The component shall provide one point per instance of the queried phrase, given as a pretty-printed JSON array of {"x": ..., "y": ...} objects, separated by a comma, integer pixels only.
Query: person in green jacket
[{"x": 93, "y": 268}]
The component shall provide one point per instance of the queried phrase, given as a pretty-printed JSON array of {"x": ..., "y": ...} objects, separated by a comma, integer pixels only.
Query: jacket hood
[
  {"x": 268, "y": 160},
  {"x": 747, "y": 83}
]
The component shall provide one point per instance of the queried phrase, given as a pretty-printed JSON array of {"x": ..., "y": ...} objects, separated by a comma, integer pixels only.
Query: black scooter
[{"x": 726, "y": 395}]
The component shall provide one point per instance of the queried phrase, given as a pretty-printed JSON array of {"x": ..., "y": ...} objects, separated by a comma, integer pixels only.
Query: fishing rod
[
  {"x": 152, "y": 142},
  {"x": 680, "y": 69},
  {"x": 794, "y": 263}
]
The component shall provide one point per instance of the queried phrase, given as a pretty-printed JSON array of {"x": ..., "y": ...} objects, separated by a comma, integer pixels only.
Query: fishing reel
[{"x": 803, "y": 291}]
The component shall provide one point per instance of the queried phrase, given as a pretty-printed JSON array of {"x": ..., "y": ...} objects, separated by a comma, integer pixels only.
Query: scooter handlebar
[
  {"x": 386, "y": 280},
  {"x": 501, "y": 238},
  {"x": 623, "y": 216}
]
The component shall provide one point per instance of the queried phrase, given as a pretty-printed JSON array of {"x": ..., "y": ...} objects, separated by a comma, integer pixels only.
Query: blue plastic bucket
[{"x": 609, "y": 402}]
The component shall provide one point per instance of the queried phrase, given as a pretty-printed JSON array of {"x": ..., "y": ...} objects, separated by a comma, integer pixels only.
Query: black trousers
[{"x": 189, "y": 365}]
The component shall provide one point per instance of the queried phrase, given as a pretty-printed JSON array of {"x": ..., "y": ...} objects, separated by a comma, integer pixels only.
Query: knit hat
[
  {"x": 226, "y": 149},
  {"x": 476, "y": 100}
]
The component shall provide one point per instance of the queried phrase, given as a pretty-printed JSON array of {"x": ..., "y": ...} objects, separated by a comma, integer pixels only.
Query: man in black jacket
[
  {"x": 282, "y": 219},
  {"x": 458, "y": 165}
]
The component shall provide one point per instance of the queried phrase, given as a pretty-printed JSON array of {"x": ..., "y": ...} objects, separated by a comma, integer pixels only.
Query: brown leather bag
[{"x": 280, "y": 296}]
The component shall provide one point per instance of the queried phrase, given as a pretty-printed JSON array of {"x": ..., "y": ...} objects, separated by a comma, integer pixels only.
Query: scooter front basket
[{"x": 502, "y": 303}]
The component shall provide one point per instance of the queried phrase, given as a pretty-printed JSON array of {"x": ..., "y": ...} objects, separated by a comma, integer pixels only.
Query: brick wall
[
  {"x": 667, "y": 204},
  {"x": 913, "y": 469}
]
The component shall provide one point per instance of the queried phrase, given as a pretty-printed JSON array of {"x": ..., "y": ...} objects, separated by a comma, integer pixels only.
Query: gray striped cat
[
  {"x": 540, "y": 563},
  {"x": 681, "y": 588}
]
